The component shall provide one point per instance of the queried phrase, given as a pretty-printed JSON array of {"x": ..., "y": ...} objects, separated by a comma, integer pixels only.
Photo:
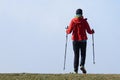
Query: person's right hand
[{"x": 93, "y": 31}]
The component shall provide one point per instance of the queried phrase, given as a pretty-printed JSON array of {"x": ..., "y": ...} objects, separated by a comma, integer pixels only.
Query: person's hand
[{"x": 93, "y": 31}]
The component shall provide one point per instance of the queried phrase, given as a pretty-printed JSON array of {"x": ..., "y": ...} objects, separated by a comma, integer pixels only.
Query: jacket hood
[{"x": 78, "y": 19}]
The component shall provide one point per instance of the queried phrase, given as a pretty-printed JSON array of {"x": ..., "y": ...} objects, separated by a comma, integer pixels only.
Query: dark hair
[{"x": 79, "y": 11}]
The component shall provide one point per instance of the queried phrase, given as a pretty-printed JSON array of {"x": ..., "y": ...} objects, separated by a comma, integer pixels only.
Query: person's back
[{"x": 78, "y": 27}]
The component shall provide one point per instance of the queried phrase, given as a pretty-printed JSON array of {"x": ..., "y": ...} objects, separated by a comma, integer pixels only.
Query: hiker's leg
[
  {"x": 83, "y": 53},
  {"x": 76, "y": 55}
]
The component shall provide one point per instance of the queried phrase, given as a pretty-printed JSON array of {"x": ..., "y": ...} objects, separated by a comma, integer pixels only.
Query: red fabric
[{"x": 78, "y": 27}]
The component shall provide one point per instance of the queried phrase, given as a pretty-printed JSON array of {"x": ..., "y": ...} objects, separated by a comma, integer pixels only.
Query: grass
[{"x": 27, "y": 76}]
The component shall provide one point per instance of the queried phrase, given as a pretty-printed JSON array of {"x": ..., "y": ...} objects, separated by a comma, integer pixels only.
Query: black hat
[{"x": 79, "y": 11}]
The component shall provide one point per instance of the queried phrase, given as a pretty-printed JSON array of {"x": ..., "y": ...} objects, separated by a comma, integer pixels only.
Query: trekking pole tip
[{"x": 63, "y": 69}]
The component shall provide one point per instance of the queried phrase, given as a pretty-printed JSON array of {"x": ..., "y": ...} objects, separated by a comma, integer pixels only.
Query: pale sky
[{"x": 32, "y": 35}]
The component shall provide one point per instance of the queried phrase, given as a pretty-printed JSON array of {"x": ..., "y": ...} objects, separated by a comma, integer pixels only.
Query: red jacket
[{"x": 79, "y": 27}]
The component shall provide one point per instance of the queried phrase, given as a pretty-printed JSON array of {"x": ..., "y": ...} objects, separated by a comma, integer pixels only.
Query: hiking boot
[
  {"x": 75, "y": 72},
  {"x": 83, "y": 69}
]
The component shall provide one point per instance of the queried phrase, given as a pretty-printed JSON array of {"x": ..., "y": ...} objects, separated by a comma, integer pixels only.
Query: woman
[{"x": 79, "y": 27}]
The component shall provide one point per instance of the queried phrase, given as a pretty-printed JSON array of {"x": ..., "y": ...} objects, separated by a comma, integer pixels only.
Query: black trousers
[{"x": 79, "y": 48}]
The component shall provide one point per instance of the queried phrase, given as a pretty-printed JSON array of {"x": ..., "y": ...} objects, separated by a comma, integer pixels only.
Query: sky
[{"x": 32, "y": 35}]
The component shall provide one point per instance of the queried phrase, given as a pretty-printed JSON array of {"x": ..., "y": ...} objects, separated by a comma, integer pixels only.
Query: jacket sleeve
[
  {"x": 70, "y": 27},
  {"x": 88, "y": 27}
]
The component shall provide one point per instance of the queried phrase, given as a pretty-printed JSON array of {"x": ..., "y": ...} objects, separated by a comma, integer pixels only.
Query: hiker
[{"x": 79, "y": 27}]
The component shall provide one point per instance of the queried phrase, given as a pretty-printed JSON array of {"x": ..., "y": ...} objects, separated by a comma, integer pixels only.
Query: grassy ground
[{"x": 24, "y": 76}]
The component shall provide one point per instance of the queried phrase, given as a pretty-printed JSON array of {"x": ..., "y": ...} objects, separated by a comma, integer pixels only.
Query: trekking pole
[
  {"x": 93, "y": 49},
  {"x": 65, "y": 50}
]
